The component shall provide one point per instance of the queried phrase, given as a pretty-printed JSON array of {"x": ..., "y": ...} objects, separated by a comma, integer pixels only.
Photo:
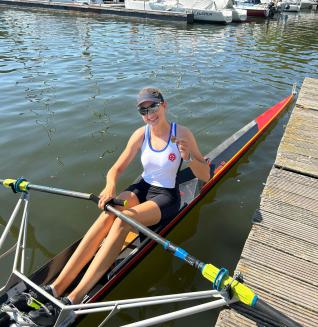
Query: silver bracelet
[{"x": 190, "y": 158}]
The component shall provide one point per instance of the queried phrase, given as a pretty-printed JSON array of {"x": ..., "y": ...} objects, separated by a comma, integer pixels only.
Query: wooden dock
[
  {"x": 280, "y": 257},
  {"x": 101, "y": 9}
]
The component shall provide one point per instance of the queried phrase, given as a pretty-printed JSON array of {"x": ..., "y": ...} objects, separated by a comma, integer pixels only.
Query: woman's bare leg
[
  {"x": 148, "y": 213},
  {"x": 88, "y": 247}
]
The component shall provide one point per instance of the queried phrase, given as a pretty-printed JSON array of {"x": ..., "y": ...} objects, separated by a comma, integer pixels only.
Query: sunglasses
[{"x": 154, "y": 107}]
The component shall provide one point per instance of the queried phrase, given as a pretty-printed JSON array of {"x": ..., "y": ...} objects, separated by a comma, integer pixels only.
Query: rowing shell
[{"x": 191, "y": 189}]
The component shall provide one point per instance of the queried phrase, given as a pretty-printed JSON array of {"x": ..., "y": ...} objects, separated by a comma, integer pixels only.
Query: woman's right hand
[{"x": 108, "y": 193}]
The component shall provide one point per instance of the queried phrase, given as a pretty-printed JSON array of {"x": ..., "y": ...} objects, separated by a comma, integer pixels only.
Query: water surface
[{"x": 67, "y": 92}]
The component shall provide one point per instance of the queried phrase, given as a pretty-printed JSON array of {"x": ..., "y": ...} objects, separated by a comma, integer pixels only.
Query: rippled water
[{"x": 67, "y": 93}]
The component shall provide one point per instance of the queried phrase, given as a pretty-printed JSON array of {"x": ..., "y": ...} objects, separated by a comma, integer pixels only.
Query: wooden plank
[
  {"x": 301, "y": 118},
  {"x": 285, "y": 183},
  {"x": 231, "y": 318},
  {"x": 289, "y": 211},
  {"x": 289, "y": 227},
  {"x": 296, "y": 199},
  {"x": 280, "y": 286},
  {"x": 308, "y": 97},
  {"x": 280, "y": 261},
  {"x": 309, "y": 82},
  {"x": 298, "y": 150},
  {"x": 307, "y": 103},
  {"x": 292, "y": 177},
  {"x": 299, "y": 163},
  {"x": 285, "y": 243}
]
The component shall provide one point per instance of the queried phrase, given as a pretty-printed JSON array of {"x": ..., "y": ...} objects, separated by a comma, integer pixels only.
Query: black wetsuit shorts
[{"x": 167, "y": 199}]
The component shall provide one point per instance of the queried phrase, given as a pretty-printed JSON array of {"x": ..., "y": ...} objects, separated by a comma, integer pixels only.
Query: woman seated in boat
[{"x": 153, "y": 199}]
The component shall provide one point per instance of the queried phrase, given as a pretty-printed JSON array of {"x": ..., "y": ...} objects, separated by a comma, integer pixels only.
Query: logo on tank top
[{"x": 172, "y": 157}]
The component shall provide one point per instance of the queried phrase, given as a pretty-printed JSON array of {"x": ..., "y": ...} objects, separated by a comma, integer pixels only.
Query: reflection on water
[{"x": 67, "y": 91}]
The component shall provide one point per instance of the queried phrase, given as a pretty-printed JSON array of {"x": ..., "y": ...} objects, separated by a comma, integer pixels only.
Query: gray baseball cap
[{"x": 149, "y": 94}]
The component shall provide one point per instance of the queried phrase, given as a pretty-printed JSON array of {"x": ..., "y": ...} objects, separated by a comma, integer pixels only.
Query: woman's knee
[
  {"x": 104, "y": 218},
  {"x": 130, "y": 197},
  {"x": 121, "y": 226}
]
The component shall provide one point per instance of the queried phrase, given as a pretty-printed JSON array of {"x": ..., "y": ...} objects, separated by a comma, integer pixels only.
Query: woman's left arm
[{"x": 191, "y": 154}]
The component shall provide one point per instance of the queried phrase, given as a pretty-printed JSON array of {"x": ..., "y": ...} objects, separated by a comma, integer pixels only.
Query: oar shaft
[
  {"x": 25, "y": 186},
  {"x": 141, "y": 228},
  {"x": 167, "y": 245},
  {"x": 59, "y": 191}
]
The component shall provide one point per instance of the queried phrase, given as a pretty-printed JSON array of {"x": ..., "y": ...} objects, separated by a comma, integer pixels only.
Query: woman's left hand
[{"x": 183, "y": 148}]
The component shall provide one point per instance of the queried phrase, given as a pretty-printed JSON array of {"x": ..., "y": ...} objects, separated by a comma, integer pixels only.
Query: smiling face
[{"x": 152, "y": 112}]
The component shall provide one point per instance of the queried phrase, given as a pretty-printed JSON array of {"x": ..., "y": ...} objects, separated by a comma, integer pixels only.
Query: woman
[{"x": 153, "y": 199}]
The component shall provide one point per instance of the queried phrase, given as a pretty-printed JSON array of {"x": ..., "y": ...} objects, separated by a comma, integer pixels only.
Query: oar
[
  {"x": 220, "y": 278},
  {"x": 22, "y": 185}
]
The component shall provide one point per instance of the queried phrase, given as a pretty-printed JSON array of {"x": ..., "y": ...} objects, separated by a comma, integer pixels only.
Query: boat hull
[
  {"x": 221, "y": 159},
  {"x": 254, "y": 10},
  {"x": 307, "y": 4},
  {"x": 199, "y": 14},
  {"x": 290, "y": 8},
  {"x": 216, "y": 16},
  {"x": 239, "y": 15}
]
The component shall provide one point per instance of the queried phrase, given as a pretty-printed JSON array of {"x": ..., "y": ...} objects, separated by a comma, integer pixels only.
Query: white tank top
[{"x": 160, "y": 166}]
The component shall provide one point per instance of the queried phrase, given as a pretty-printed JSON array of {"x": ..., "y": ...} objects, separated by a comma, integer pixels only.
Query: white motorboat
[
  {"x": 253, "y": 9},
  {"x": 203, "y": 10},
  {"x": 238, "y": 15},
  {"x": 307, "y": 4},
  {"x": 289, "y": 5}
]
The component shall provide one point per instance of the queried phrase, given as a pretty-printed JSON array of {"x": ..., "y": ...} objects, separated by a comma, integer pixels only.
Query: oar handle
[{"x": 114, "y": 202}]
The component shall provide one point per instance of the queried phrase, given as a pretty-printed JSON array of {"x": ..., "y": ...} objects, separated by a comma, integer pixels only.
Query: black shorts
[{"x": 167, "y": 199}]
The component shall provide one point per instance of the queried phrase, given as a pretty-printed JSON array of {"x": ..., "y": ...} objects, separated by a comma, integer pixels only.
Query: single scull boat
[{"x": 136, "y": 246}]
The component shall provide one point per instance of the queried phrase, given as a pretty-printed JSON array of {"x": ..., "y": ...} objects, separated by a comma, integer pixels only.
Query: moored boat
[
  {"x": 307, "y": 4},
  {"x": 253, "y": 10},
  {"x": 289, "y": 5},
  {"x": 238, "y": 15},
  {"x": 203, "y": 11},
  {"x": 220, "y": 159}
]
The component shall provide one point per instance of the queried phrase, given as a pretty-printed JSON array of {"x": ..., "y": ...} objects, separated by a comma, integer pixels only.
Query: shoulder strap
[
  {"x": 174, "y": 129},
  {"x": 146, "y": 135}
]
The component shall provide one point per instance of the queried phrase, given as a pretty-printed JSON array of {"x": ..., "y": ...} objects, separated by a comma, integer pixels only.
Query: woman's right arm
[{"x": 133, "y": 146}]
